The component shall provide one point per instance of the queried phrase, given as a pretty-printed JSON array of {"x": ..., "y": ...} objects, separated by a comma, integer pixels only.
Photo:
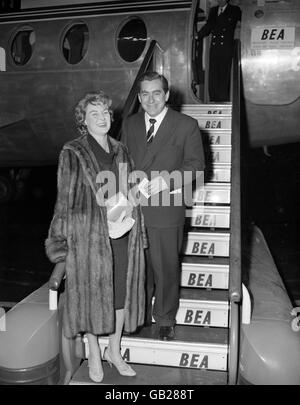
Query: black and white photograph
[{"x": 149, "y": 195}]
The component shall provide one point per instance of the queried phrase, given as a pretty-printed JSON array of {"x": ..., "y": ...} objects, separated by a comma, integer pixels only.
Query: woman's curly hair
[{"x": 80, "y": 109}]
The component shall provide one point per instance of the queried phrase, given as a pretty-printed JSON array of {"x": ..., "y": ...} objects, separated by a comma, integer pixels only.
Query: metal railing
[
  {"x": 132, "y": 96},
  {"x": 235, "y": 283}
]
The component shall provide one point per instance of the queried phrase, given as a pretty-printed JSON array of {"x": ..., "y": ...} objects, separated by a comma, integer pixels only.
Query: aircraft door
[{"x": 199, "y": 52}]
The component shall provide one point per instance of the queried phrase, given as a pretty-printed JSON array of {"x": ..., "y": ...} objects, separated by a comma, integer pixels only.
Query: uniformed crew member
[{"x": 221, "y": 23}]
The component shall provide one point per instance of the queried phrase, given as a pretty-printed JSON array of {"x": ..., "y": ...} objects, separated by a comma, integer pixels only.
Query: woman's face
[{"x": 97, "y": 119}]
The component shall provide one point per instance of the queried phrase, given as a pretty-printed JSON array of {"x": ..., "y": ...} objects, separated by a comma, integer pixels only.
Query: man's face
[
  {"x": 152, "y": 97},
  {"x": 222, "y": 3}
]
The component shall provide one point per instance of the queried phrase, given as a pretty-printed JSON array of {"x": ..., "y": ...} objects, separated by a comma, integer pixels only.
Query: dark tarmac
[
  {"x": 24, "y": 225},
  {"x": 271, "y": 200}
]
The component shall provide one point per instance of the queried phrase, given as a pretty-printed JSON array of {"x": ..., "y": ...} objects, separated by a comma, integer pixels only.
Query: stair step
[
  {"x": 196, "y": 295},
  {"x": 217, "y": 193},
  {"x": 184, "y": 333},
  {"x": 218, "y": 172},
  {"x": 212, "y": 356},
  {"x": 148, "y": 375},
  {"x": 203, "y": 308},
  {"x": 219, "y": 109},
  {"x": 203, "y": 275},
  {"x": 215, "y": 261},
  {"x": 208, "y": 216},
  {"x": 217, "y": 138},
  {"x": 215, "y": 122},
  {"x": 220, "y": 154},
  {"x": 188, "y": 355},
  {"x": 206, "y": 244}
]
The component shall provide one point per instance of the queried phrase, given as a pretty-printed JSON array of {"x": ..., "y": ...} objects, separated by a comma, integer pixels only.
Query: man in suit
[
  {"x": 221, "y": 23},
  {"x": 161, "y": 139}
]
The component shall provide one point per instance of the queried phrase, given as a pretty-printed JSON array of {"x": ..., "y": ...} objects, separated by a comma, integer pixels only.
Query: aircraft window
[
  {"x": 22, "y": 46},
  {"x": 132, "y": 40},
  {"x": 75, "y": 43}
]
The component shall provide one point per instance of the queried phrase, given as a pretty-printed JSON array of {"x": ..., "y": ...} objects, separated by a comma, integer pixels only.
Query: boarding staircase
[{"x": 200, "y": 352}]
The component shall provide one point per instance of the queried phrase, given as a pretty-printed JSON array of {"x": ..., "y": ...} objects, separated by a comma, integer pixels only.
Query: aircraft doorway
[
  {"x": 199, "y": 56},
  {"x": 201, "y": 48}
]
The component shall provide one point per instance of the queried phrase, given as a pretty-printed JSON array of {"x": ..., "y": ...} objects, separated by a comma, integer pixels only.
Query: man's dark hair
[{"x": 153, "y": 76}]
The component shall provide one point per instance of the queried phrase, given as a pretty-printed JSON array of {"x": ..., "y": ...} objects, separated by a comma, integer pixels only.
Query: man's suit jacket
[
  {"x": 177, "y": 145},
  {"x": 222, "y": 29}
]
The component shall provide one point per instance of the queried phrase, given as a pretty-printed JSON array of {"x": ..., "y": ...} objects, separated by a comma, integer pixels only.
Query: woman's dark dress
[{"x": 119, "y": 246}]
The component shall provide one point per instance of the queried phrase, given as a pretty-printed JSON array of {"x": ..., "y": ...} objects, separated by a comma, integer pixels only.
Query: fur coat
[{"x": 79, "y": 236}]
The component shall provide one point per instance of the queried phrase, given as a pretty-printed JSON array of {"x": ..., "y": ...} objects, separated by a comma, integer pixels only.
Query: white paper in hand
[
  {"x": 52, "y": 300},
  {"x": 118, "y": 229},
  {"x": 119, "y": 219},
  {"x": 118, "y": 207},
  {"x": 143, "y": 187}
]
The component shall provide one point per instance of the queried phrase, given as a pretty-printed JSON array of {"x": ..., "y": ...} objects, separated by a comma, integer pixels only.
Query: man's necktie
[
  {"x": 220, "y": 10},
  {"x": 151, "y": 130}
]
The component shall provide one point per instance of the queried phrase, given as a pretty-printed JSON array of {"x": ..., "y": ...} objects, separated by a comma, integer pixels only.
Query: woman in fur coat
[{"x": 104, "y": 284}]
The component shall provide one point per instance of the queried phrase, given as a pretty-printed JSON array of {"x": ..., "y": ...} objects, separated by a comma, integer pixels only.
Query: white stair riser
[
  {"x": 208, "y": 218},
  {"x": 220, "y": 174},
  {"x": 206, "y": 245},
  {"x": 200, "y": 277},
  {"x": 201, "y": 356},
  {"x": 202, "y": 314},
  {"x": 198, "y": 109},
  {"x": 213, "y": 123},
  {"x": 212, "y": 193},
  {"x": 219, "y": 138},
  {"x": 220, "y": 154}
]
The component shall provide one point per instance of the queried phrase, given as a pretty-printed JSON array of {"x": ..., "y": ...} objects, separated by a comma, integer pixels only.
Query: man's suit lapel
[{"x": 162, "y": 136}]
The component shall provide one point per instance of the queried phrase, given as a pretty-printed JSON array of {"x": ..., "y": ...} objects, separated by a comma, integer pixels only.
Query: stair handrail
[
  {"x": 132, "y": 96},
  {"x": 235, "y": 283}
]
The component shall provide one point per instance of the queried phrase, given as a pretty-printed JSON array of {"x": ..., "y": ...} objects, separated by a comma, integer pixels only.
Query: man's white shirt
[
  {"x": 158, "y": 119},
  {"x": 143, "y": 186},
  {"x": 222, "y": 9}
]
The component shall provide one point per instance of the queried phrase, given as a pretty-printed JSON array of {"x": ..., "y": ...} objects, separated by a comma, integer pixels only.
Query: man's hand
[{"x": 157, "y": 185}]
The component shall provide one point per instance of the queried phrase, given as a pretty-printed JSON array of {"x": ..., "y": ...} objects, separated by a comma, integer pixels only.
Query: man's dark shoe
[{"x": 166, "y": 333}]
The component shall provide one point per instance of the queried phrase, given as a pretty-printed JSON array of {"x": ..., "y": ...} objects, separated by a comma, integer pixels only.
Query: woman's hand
[{"x": 57, "y": 275}]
